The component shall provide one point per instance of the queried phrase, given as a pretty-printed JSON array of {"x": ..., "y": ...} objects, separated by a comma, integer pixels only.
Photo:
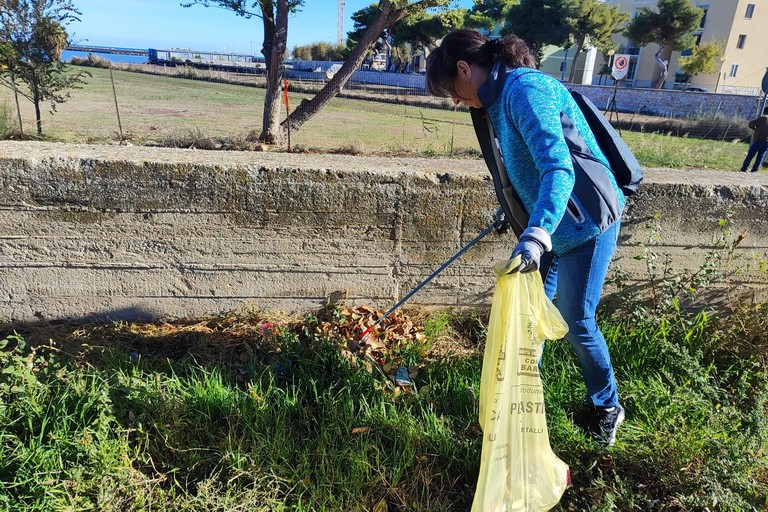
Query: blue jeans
[
  {"x": 758, "y": 147},
  {"x": 576, "y": 278}
]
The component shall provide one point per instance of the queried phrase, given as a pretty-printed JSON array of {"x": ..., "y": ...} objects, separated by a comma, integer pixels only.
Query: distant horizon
[
  {"x": 82, "y": 52},
  {"x": 76, "y": 48}
]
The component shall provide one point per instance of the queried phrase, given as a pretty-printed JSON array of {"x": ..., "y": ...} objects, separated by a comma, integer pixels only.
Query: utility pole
[{"x": 340, "y": 25}]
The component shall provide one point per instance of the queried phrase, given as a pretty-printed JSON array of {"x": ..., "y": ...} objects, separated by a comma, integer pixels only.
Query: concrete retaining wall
[{"x": 94, "y": 231}]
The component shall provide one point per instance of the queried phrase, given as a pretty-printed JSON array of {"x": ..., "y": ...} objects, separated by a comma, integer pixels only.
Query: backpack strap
[
  {"x": 510, "y": 201},
  {"x": 623, "y": 163}
]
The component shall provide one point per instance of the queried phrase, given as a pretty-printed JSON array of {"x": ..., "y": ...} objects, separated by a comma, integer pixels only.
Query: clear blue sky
[{"x": 165, "y": 24}]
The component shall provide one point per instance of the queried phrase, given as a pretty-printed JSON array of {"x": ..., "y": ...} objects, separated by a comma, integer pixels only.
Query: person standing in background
[{"x": 759, "y": 144}]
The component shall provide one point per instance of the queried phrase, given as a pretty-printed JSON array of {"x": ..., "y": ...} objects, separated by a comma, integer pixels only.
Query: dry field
[{"x": 159, "y": 110}]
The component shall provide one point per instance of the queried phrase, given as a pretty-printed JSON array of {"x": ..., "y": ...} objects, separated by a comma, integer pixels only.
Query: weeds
[
  {"x": 707, "y": 126},
  {"x": 8, "y": 128},
  {"x": 195, "y": 139},
  {"x": 666, "y": 289}
]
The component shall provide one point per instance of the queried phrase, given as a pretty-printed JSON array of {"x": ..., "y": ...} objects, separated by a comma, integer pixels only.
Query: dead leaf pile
[{"x": 380, "y": 349}]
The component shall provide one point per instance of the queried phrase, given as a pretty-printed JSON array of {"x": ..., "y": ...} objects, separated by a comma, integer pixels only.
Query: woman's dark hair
[{"x": 474, "y": 48}]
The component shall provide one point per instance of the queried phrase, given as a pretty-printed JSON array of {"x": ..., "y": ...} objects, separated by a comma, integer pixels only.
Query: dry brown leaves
[{"x": 378, "y": 349}]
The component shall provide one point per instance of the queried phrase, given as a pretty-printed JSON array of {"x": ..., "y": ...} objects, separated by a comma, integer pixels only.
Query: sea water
[{"x": 114, "y": 57}]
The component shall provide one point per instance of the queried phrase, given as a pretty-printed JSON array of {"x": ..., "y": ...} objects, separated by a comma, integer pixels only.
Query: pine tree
[
  {"x": 592, "y": 23},
  {"x": 672, "y": 28},
  {"x": 539, "y": 23}
]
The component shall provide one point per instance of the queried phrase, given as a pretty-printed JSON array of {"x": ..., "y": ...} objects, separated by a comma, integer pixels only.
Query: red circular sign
[{"x": 620, "y": 62}]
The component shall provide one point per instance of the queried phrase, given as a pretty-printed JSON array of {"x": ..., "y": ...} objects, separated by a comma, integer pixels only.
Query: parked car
[{"x": 696, "y": 88}]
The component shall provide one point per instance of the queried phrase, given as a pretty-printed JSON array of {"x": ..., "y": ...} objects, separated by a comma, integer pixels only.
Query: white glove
[{"x": 534, "y": 242}]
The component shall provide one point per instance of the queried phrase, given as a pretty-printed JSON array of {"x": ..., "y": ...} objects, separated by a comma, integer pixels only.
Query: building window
[
  {"x": 705, "y": 8},
  {"x": 631, "y": 70},
  {"x": 742, "y": 40},
  {"x": 750, "y": 11},
  {"x": 734, "y": 70}
]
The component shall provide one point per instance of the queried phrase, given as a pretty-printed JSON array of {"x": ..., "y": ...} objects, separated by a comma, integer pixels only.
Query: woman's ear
[{"x": 464, "y": 70}]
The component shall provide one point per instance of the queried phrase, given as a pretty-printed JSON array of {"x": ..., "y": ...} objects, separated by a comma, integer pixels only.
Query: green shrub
[
  {"x": 713, "y": 127},
  {"x": 7, "y": 124},
  {"x": 91, "y": 61}
]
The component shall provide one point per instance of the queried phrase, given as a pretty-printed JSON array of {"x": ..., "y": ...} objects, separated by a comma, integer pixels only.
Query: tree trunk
[
  {"x": 16, "y": 98},
  {"x": 576, "y": 54},
  {"x": 308, "y": 108},
  {"x": 275, "y": 42},
  {"x": 662, "y": 61}
]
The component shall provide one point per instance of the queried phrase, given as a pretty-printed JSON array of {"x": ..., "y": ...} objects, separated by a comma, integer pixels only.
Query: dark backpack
[{"x": 623, "y": 163}]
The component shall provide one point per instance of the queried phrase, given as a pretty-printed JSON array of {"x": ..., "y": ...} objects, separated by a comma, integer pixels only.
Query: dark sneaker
[{"x": 604, "y": 423}]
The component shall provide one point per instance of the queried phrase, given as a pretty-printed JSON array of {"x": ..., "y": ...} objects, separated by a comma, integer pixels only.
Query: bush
[
  {"x": 8, "y": 129},
  {"x": 92, "y": 61},
  {"x": 701, "y": 127}
]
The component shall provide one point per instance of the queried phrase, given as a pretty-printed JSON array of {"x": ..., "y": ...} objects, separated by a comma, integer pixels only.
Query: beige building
[{"x": 740, "y": 25}]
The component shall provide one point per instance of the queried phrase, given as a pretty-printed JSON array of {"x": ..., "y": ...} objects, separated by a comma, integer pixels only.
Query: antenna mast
[{"x": 339, "y": 28}]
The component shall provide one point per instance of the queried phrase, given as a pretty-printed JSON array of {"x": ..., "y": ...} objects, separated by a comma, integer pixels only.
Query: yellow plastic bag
[{"x": 518, "y": 470}]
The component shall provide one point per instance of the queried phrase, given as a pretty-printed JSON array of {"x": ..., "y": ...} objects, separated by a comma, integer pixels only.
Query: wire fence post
[
  {"x": 117, "y": 108},
  {"x": 453, "y": 127},
  {"x": 287, "y": 111}
]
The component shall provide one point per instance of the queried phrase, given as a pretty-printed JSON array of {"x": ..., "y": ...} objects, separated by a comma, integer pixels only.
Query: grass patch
[
  {"x": 244, "y": 412},
  {"x": 661, "y": 150},
  {"x": 697, "y": 125}
]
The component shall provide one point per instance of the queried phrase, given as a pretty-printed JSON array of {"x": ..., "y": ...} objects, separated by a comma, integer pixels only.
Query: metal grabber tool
[{"x": 499, "y": 224}]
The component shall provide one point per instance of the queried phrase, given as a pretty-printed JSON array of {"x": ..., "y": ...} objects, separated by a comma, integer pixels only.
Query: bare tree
[
  {"x": 388, "y": 12},
  {"x": 274, "y": 16}
]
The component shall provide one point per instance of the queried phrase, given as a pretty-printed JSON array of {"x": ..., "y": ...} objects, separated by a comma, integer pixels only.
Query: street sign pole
[
  {"x": 620, "y": 66},
  {"x": 619, "y": 70}
]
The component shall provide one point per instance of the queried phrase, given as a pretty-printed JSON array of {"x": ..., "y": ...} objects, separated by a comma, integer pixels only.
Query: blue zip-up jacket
[{"x": 570, "y": 194}]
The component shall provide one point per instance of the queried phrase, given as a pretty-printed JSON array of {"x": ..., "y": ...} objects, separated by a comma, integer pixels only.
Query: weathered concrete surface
[{"x": 127, "y": 232}]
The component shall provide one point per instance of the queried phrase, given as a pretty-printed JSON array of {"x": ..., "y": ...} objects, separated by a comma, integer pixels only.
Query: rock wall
[
  {"x": 95, "y": 232},
  {"x": 671, "y": 103}
]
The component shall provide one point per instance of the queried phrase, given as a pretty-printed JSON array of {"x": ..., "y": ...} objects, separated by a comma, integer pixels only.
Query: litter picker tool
[{"x": 498, "y": 223}]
